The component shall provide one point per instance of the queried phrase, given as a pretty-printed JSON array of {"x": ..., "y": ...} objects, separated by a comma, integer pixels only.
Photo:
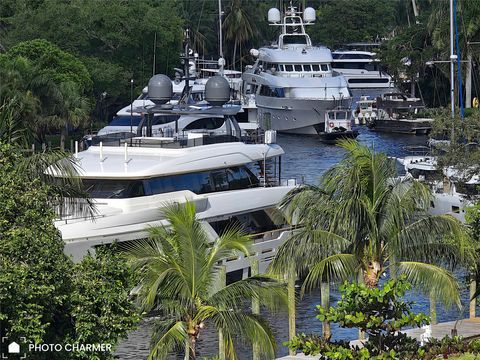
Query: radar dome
[
  {"x": 160, "y": 89},
  {"x": 274, "y": 15},
  {"x": 217, "y": 91},
  {"x": 309, "y": 15},
  {"x": 254, "y": 52}
]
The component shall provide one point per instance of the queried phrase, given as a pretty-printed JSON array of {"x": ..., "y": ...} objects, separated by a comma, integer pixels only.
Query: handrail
[{"x": 257, "y": 236}]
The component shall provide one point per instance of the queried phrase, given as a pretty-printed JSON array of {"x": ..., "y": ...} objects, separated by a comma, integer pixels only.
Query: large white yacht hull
[
  {"x": 295, "y": 116},
  {"x": 121, "y": 220}
]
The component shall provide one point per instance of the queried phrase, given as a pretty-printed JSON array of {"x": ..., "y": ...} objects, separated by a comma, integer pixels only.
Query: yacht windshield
[
  {"x": 294, "y": 39},
  {"x": 125, "y": 120}
]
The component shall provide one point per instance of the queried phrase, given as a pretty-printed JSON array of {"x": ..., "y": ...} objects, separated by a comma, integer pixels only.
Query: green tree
[
  {"x": 380, "y": 313},
  {"x": 362, "y": 221},
  {"x": 71, "y": 110},
  {"x": 44, "y": 297},
  {"x": 360, "y": 25},
  {"x": 101, "y": 308},
  {"x": 60, "y": 83},
  {"x": 179, "y": 277},
  {"x": 239, "y": 26},
  {"x": 112, "y": 38},
  {"x": 35, "y": 273},
  {"x": 56, "y": 64}
]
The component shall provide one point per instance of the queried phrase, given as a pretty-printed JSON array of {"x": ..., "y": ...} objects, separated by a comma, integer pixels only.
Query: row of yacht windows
[
  {"x": 295, "y": 67},
  {"x": 353, "y": 65},
  {"x": 232, "y": 178}
]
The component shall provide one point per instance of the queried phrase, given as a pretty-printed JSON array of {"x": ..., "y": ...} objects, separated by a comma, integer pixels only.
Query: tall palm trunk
[
  {"x": 370, "y": 274},
  {"x": 325, "y": 301},
  {"x": 63, "y": 136},
  {"x": 291, "y": 277},
  {"x": 235, "y": 53},
  {"x": 190, "y": 346}
]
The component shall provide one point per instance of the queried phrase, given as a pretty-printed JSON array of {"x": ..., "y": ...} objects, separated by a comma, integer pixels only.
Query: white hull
[
  {"x": 123, "y": 220},
  {"x": 295, "y": 116}
]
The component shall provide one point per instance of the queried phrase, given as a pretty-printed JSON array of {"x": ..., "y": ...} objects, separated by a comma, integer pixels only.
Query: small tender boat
[
  {"x": 366, "y": 110},
  {"x": 337, "y": 125}
]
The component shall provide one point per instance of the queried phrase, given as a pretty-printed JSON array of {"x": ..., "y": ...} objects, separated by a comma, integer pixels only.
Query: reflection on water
[{"x": 307, "y": 157}]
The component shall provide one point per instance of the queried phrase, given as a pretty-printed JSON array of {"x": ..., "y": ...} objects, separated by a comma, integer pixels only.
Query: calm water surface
[{"x": 304, "y": 157}]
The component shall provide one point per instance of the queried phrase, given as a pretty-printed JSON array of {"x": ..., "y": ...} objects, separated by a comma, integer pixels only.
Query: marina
[
  {"x": 246, "y": 180},
  {"x": 313, "y": 158}
]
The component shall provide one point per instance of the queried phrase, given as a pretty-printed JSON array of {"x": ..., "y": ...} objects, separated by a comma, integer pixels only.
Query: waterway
[{"x": 305, "y": 157}]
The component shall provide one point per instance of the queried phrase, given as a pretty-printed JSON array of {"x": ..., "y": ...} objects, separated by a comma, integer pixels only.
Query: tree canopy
[{"x": 44, "y": 297}]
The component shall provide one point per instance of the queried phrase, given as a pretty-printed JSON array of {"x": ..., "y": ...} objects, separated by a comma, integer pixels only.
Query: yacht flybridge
[
  {"x": 230, "y": 183},
  {"x": 293, "y": 81}
]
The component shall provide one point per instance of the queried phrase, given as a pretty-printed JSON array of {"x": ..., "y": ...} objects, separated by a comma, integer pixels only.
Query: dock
[{"x": 466, "y": 328}]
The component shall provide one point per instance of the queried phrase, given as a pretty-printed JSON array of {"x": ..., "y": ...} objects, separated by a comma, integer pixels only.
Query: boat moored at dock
[
  {"x": 398, "y": 113},
  {"x": 229, "y": 181},
  {"x": 293, "y": 81},
  {"x": 338, "y": 125}
]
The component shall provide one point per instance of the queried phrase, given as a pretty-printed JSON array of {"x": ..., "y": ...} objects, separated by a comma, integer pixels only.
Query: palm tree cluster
[
  {"x": 35, "y": 100},
  {"x": 181, "y": 278}
]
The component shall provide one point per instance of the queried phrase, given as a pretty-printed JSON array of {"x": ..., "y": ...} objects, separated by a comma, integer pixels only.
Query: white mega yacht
[
  {"x": 361, "y": 69},
  {"x": 293, "y": 81},
  {"x": 229, "y": 182}
]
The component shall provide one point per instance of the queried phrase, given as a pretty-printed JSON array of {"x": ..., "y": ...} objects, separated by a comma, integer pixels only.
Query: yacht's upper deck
[
  {"x": 353, "y": 56},
  {"x": 296, "y": 55},
  {"x": 145, "y": 162}
]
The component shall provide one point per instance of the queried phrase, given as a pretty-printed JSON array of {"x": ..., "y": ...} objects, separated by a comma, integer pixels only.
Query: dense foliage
[
  {"x": 47, "y": 88},
  {"x": 44, "y": 297},
  {"x": 380, "y": 313},
  {"x": 368, "y": 26}
]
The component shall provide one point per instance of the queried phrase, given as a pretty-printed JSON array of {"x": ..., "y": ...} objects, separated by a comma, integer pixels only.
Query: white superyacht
[
  {"x": 293, "y": 81},
  {"x": 229, "y": 182},
  {"x": 361, "y": 69}
]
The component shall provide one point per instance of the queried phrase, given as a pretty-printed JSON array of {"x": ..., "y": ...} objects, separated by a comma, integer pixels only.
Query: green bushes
[{"x": 380, "y": 313}]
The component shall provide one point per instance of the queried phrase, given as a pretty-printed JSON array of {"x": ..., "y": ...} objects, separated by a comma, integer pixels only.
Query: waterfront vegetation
[
  {"x": 362, "y": 217},
  {"x": 67, "y": 66},
  {"x": 181, "y": 280},
  {"x": 44, "y": 296},
  {"x": 380, "y": 313},
  {"x": 362, "y": 222}
]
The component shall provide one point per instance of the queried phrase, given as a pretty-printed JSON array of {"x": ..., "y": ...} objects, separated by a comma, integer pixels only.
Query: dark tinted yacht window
[
  {"x": 125, "y": 120},
  {"x": 164, "y": 119},
  {"x": 113, "y": 189},
  {"x": 233, "y": 178},
  {"x": 205, "y": 123}
]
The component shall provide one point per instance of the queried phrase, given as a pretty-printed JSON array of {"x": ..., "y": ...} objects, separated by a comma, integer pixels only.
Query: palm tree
[
  {"x": 362, "y": 221},
  {"x": 239, "y": 25},
  {"x": 179, "y": 272},
  {"x": 70, "y": 108}
]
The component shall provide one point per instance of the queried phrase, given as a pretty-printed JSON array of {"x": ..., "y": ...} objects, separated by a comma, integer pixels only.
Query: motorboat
[
  {"x": 452, "y": 193},
  {"x": 229, "y": 181},
  {"x": 366, "y": 109},
  {"x": 293, "y": 81},
  {"x": 398, "y": 113},
  {"x": 361, "y": 69},
  {"x": 338, "y": 125}
]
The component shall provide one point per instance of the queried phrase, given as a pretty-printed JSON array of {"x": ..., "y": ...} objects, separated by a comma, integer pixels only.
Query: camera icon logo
[{"x": 12, "y": 348}]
